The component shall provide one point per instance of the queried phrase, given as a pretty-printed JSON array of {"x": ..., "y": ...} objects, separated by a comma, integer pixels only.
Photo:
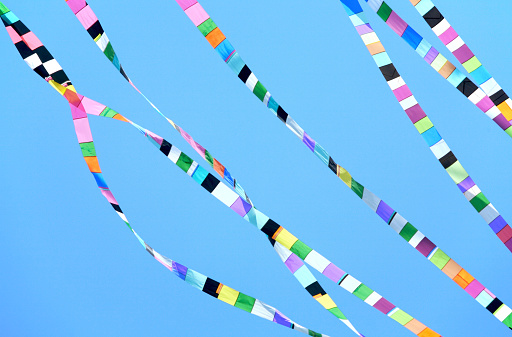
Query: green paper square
[
  {"x": 384, "y": 11},
  {"x": 363, "y": 292},
  {"x": 479, "y": 202},
  {"x": 300, "y": 249},
  {"x": 457, "y": 172},
  {"x": 260, "y": 91},
  {"x": 472, "y": 64},
  {"x": 107, "y": 112},
  {"x": 423, "y": 125},
  {"x": 508, "y": 321},
  {"x": 208, "y": 157},
  {"x": 509, "y": 131},
  {"x": 206, "y": 27},
  {"x": 401, "y": 317},
  {"x": 109, "y": 52},
  {"x": 245, "y": 302},
  {"x": 357, "y": 188},
  {"x": 88, "y": 149},
  {"x": 440, "y": 259},
  {"x": 337, "y": 312},
  {"x": 3, "y": 9},
  {"x": 408, "y": 232},
  {"x": 184, "y": 162}
]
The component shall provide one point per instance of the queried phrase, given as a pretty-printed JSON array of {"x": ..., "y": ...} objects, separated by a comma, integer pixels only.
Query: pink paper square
[
  {"x": 110, "y": 197},
  {"x": 402, "y": 93},
  {"x": 76, "y": 5},
  {"x": 184, "y": 4},
  {"x": 13, "y": 35},
  {"x": 474, "y": 288},
  {"x": 197, "y": 14},
  {"x": 82, "y": 129},
  {"x": 92, "y": 107},
  {"x": 77, "y": 112},
  {"x": 31, "y": 40},
  {"x": 485, "y": 104},
  {"x": 448, "y": 36},
  {"x": 86, "y": 17}
]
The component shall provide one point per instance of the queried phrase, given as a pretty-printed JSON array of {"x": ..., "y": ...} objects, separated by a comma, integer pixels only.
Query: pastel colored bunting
[
  {"x": 451, "y": 39},
  {"x": 423, "y": 124},
  {"x": 477, "y": 96}
]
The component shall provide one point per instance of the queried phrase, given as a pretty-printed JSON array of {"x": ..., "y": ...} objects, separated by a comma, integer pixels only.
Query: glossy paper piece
[
  {"x": 80, "y": 105},
  {"x": 425, "y": 246},
  {"x": 451, "y": 39},
  {"x": 228, "y": 197},
  {"x": 83, "y": 10},
  {"x": 419, "y": 118},
  {"x": 453, "y": 167},
  {"x": 90, "y": 22},
  {"x": 444, "y": 67}
]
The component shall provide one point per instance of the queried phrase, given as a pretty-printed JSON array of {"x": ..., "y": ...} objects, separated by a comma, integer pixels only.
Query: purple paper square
[
  {"x": 179, "y": 270},
  {"x": 293, "y": 263},
  {"x": 309, "y": 142},
  {"x": 466, "y": 184},
  {"x": 364, "y": 29},
  {"x": 396, "y": 23},
  {"x": 425, "y": 247},
  {"x": 431, "y": 55},
  {"x": 415, "y": 113},
  {"x": 384, "y": 211},
  {"x": 384, "y": 306},
  {"x": 502, "y": 121},
  {"x": 463, "y": 54},
  {"x": 334, "y": 273},
  {"x": 279, "y": 318},
  {"x": 498, "y": 224},
  {"x": 508, "y": 244},
  {"x": 241, "y": 207}
]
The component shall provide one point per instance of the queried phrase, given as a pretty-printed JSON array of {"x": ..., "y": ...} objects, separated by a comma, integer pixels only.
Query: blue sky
[{"x": 71, "y": 268}]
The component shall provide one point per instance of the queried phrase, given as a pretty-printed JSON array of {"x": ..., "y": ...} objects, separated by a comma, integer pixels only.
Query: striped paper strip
[
  {"x": 82, "y": 10},
  {"x": 389, "y": 215},
  {"x": 454, "y": 169},
  {"x": 79, "y": 106},
  {"x": 464, "y": 55},
  {"x": 423, "y": 124},
  {"x": 441, "y": 64},
  {"x": 90, "y": 22}
]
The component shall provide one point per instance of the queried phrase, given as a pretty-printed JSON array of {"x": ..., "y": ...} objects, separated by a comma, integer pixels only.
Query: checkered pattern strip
[{"x": 464, "y": 55}]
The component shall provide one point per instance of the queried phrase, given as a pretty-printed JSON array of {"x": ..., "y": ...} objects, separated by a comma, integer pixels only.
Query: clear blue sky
[{"x": 71, "y": 268}]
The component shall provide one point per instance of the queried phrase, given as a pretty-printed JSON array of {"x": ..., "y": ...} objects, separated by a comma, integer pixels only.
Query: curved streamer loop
[
  {"x": 90, "y": 22},
  {"x": 80, "y": 105},
  {"x": 423, "y": 124},
  {"x": 42, "y": 62},
  {"x": 441, "y": 64},
  {"x": 464, "y": 55},
  {"x": 406, "y": 230}
]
